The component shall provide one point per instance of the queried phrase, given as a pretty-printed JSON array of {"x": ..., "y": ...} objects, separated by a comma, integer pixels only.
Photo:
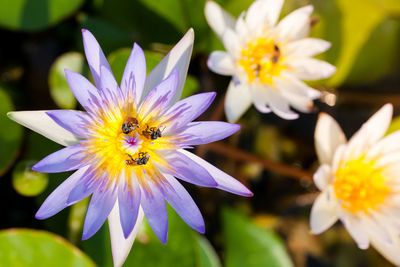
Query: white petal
[
  {"x": 241, "y": 27},
  {"x": 307, "y": 47},
  {"x": 263, "y": 13},
  {"x": 296, "y": 95},
  {"x": 237, "y": 101},
  {"x": 260, "y": 98},
  {"x": 221, "y": 62},
  {"x": 218, "y": 19},
  {"x": 390, "y": 251},
  {"x": 356, "y": 230},
  {"x": 377, "y": 230},
  {"x": 279, "y": 105},
  {"x": 387, "y": 145},
  {"x": 296, "y": 25},
  {"x": 370, "y": 132},
  {"x": 231, "y": 43},
  {"x": 178, "y": 57},
  {"x": 328, "y": 136},
  {"x": 119, "y": 245},
  {"x": 323, "y": 213},
  {"x": 41, "y": 123},
  {"x": 322, "y": 176},
  {"x": 296, "y": 86},
  {"x": 311, "y": 68}
]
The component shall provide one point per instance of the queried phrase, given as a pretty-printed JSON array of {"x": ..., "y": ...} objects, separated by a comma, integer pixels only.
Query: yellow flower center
[
  {"x": 261, "y": 58},
  {"x": 123, "y": 142},
  {"x": 360, "y": 185}
]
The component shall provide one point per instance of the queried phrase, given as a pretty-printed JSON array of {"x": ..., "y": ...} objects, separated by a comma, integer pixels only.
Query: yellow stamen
[
  {"x": 261, "y": 58},
  {"x": 360, "y": 185}
]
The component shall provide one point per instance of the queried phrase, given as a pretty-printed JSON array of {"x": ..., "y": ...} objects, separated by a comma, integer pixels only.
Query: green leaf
[
  {"x": 180, "y": 248},
  {"x": 59, "y": 88},
  {"x": 28, "y": 182},
  {"x": 35, "y": 15},
  {"x": 107, "y": 34},
  {"x": 394, "y": 125},
  {"x": 23, "y": 247},
  {"x": 375, "y": 59},
  {"x": 248, "y": 245},
  {"x": 76, "y": 219},
  {"x": 207, "y": 255},
  {"x": 184, "y": 246},
  {"x": 346, "y": 26},
  {"x": 10, "y": 134}
]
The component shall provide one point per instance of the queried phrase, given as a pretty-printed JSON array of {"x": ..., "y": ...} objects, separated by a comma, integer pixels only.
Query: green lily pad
[
  {"x": 26, "y": 181},
  {"x": 23, "y": 247},
  {"x": 10, "y": 134},
  {"x": 248, "y": 245},
  {"x": 28, "y": 15},
  {"x": 59, "y": 88}
]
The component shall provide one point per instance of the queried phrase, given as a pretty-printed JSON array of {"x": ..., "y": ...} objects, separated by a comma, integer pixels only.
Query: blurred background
[{"x": 273, "y": 157}]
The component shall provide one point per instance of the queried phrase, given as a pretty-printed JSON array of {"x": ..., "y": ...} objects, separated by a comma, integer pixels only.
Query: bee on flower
[
  {"x": 128, "y": 148},
  {"x": 360, "y": 182},
  {"x": 267, "y": 60}
]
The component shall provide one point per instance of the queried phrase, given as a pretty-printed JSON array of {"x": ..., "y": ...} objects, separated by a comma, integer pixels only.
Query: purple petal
[
  {"x": 99, "y": 208},
  {"x": 204, "y": 132},
  {"x": 82, "y": 89},
  {"x": 84, "y": 187},
  {"x": 94, "y": 56},
  {"x": 188, "y": 109},
  {"x": 155, "y": 210},
  {"x": 57, "y": 200},
  {"x": 71, "y": 120},
  {"x": 134, "y": 73},
  {"x": 129, "y": 203},
  {"x": 184, "y": 205},
  {"x": 66, "y": 159},
  {"x": 159, "y": 98},
  {"x": 225, "y": 181},
  {"x": 109, "y": 86},
  {"x": 186, "y": 169}
]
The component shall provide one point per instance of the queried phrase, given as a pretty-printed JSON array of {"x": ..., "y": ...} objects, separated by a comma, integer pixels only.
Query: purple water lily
[{"x": 128, "y": 147}]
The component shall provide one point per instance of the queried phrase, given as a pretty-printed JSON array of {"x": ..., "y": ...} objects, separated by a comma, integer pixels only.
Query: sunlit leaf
[
  {"x": 10, "y": 134},
  {"x": 394, "y": 126},
  {"x": 248, "y": 245},
  {"x": 28, "y": 182},
  {"x": 59, "y": 89},
  {"x": 207, "y": 255},
  {"x": 345, "y": 24},
  {"x": 76, "y": 219},
  {"x": 34, "y": 15},
  {"x": 23, "y": 247}
]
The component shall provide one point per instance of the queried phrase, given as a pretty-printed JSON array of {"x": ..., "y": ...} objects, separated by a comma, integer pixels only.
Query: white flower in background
[
  {"x": 360, "y": 182},
  {"x": 267, "y": 60}
]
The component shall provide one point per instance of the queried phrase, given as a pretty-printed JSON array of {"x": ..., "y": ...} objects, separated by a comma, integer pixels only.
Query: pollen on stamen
[
  {"x": 261, "y": 60},
  {"x": 360, "y": 185}
]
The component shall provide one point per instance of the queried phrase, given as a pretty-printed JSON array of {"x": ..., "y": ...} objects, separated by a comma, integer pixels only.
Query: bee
[
  {"x": 129, "y": 125},
  {"x": 142, "y": 159},
  {"x": 152, "y": 132},
  {"x": 257, "y": 70},
  {"x": 276, "y": 54}
]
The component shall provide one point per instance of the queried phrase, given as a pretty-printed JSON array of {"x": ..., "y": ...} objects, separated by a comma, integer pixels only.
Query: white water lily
[
  {"x": 360, "y": 182},
  {"x": 266, "y": 59}
]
